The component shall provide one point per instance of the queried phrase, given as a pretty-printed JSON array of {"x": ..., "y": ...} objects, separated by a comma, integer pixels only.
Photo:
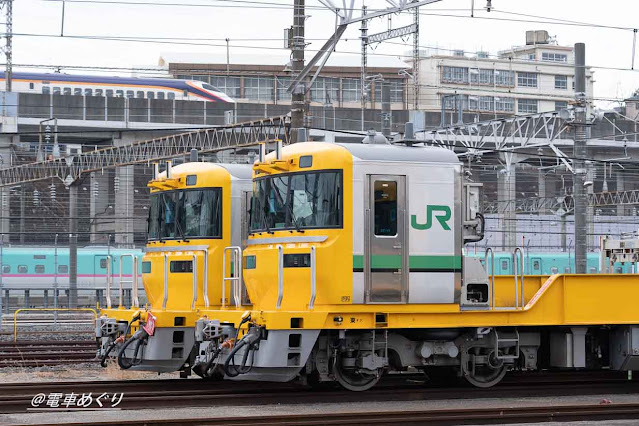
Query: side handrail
[
  {"x": 194, "y": 266},
  {"x": 518, "y": 263},
  {"x": 280, "y": 276},
  {"x": 166, "y": 281},
  {"x": 136, "y": 278},
  {"x": 108, "y": 281},
  {"x": 492, "y": 273},
  {"x": 311, "y": 302},
  {"x": 205, "y": 279}
]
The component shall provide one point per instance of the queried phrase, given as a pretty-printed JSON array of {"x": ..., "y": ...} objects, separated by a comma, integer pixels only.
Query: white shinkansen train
[{"x": 129, "y": 87}]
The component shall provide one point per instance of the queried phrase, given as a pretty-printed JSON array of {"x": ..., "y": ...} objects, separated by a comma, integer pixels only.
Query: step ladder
[{"x": 505, "y": 338}]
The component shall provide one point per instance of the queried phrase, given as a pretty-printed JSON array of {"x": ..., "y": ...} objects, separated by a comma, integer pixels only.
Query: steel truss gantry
[
  {"x": 69, "y": 169},
  {"x": 563, "y": 204},
  {"x": 503, "y": 135}
]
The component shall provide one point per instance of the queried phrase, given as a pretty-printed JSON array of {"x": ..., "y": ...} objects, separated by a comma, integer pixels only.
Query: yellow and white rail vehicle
[
  {"x": 355, "y": 265},
  {"x": 197, "y": 223}
]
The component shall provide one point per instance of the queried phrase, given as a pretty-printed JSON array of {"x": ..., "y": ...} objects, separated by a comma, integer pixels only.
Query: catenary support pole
[
  {"x": 580, "y": 153},
  {"x": 298, "y": 97},
  {"x": 73, "y": 246}
]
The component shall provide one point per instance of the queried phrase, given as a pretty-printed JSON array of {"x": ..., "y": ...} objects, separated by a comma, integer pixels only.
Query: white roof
[{"x": 276, "y": 58}]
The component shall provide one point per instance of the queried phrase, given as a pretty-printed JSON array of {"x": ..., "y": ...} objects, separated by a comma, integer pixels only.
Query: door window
[{"x": 385, "y": 210}]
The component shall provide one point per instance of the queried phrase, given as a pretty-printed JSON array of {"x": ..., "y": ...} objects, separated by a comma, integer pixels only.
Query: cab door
[{"x": 385, "y": 257}]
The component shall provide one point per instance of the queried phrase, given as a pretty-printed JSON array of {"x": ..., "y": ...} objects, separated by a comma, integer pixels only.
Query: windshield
[
  {"x": 193, "y": 213},
  {"x": 301, "y": 200}
]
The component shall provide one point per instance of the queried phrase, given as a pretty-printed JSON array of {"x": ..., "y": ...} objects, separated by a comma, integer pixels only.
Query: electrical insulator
[
  {"x": 52, "y": 191},
  {"x": 95, "y": 189},
  {"x": 116, "y": 184},
  {"x": 36, "y": 197}
]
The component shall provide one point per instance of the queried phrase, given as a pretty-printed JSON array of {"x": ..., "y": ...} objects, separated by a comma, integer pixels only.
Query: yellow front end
[{"x": 182, "y": 269}]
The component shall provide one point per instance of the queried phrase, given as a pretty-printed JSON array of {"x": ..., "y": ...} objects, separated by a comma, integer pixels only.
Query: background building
[{"x": 537, "y": 77}]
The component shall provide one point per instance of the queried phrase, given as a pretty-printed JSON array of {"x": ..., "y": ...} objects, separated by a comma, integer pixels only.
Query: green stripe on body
[{"x": 414, "y": 262}]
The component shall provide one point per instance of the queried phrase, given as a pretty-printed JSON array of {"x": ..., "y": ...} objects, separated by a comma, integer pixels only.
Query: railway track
[
  {"x": 37, "y": 353},
  {"x": 437, "y": 417},
  {"x": 16, "y": 398}
]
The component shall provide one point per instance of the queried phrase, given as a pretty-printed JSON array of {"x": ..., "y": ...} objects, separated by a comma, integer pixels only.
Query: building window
[
  {"x": 482, "y": 76},
  {"x": 396, "y": 91},
  {"x": 561, "y": 82},
  {"x": 325, "y": 90},
  {"x": 559, "y": 105},
  {"x": 229, "y": 85},
  {"x": 504, "y": 78},
  {"x": 527, "y": 79},
  {"x": 204, "y": 78},
  {"x": 486, "y": 103},
  {"x": 454, "y": 75},
  {"x": 282, "y": 88},
  {"x": 351, "y": 89},
  {"x": 527, "y": 106},
  {"x": 258, "y": 88},
  {"x": 554, "y": 57},
  {"x": 505, "y": 104}
]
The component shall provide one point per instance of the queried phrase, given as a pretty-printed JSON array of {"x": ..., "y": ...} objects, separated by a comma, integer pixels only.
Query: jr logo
[{"x": 441, "y": 213}]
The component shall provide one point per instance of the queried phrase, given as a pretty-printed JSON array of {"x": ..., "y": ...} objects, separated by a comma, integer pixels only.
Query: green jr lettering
[{"x": 443, "y": 216}]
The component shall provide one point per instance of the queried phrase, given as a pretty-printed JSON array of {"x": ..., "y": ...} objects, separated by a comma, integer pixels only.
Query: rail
[
  {"x": 15, "y": 315},
  {"x": 492, "y": 273},
  {"x": 518, "y": 263},
  {"x": 235, "y": 277},
  {"x": 109, "y": 279},
  {"x": 311, "y": 302},
  {"x": 280, "y": 276}
]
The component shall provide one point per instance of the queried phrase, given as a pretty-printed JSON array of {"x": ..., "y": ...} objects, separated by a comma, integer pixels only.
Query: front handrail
[
  {"x": 492, "y": 273},
  {"x": 235, "y": 277},
  {"x": 311, "y": 302},
  {"x": 166, "y": 281},
  {"x": 109, "y": 280},
  {"x": 518, "y": 263},
  {"x": 134, "y": 280},
  {"x": 194, "y": 266},
  {"x": 280, "y": 276}
]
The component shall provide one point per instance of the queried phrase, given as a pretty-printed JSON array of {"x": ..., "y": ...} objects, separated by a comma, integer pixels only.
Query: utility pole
[
  {"x": 364, "y": 37},
  {"x": 580, "y": 153},
  {"x": 8, "y": 5},
  {"x": 298, "y": 97},
  {"x": 73, "y": 245},
  {"x": 416, "y": 59}
]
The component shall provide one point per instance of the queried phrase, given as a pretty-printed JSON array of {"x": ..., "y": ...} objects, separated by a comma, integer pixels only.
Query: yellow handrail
[{"x": 15, "y": 315}]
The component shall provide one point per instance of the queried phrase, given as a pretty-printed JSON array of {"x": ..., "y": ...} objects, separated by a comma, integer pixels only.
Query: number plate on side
[{"x": 149, "y": 327}]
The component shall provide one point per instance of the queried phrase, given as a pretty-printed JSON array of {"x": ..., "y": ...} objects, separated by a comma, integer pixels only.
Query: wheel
[
  {"x": 485, "y": 375},
  {"x": 356, "y": 380}
]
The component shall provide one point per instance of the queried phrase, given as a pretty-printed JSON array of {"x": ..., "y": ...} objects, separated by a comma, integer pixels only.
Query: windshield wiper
[{"x": 297, "y": 225}]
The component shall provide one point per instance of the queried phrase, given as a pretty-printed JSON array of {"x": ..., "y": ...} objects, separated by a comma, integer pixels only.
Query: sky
[{"x": 255, "y": 29}]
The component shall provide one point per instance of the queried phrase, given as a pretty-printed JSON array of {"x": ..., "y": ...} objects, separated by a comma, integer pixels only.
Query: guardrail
[{"x": 15, "y": 315}]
